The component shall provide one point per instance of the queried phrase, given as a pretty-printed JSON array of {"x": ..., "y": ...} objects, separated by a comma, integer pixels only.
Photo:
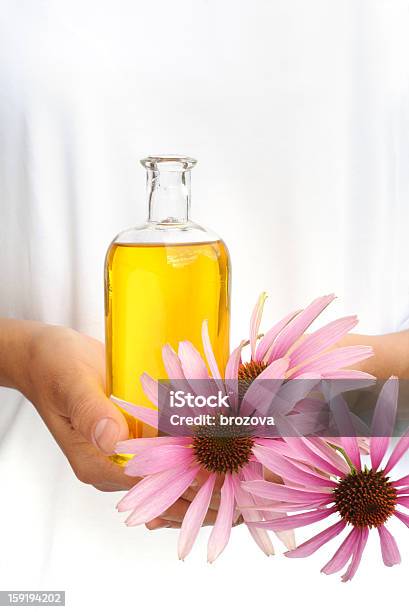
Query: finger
[
  {"x": 199, "y": 481},
  {"x": 93, "y": 415},
  {"x": 191, "y": 492},
  {"x": 86, "y": 461},
  {"x": 159, "y": 523},
  {"x": 177, "y": 511},
  {"x": 271, "y": 477},
  {"x": 201, "y": 478}
]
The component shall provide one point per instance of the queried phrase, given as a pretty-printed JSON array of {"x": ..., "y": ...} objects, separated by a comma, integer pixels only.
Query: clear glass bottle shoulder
[{"x": 166, "y": 233}]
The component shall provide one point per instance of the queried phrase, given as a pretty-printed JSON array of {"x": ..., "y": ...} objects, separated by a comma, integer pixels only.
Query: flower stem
[{"x": 345, "y": 456}]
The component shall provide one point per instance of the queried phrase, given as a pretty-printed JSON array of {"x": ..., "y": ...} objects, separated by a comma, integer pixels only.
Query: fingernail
[
  {"x": 162, "y": 526},
  {"x": 105, "y": 435}
]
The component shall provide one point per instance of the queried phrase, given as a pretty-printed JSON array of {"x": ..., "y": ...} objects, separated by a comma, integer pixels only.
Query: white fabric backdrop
[{"x": 299, "y": 115}]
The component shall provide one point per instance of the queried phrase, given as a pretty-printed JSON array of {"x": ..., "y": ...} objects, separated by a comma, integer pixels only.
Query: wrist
[{"x": 16, "y": 338}]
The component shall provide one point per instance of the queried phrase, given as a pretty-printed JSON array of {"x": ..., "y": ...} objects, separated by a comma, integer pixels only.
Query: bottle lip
[{"x": 170, "y": 162}]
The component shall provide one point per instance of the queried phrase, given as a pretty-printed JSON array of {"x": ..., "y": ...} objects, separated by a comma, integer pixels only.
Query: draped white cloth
[{"x": 299, "y": 115}]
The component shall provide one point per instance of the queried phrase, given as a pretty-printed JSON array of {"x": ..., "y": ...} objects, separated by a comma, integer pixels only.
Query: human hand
[
  {"x": 64, "y": 378},
  {"x": 62, "y": 372}
]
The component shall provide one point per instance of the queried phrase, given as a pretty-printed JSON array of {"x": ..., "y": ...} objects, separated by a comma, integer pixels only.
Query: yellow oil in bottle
[{"x": 157, "y": 294}]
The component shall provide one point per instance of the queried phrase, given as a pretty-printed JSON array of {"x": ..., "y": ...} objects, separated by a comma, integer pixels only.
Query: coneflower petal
[
  {"x": 289, "y": 395},
  {"x": 296, "y": 520},
  {"x": 402, "y": 517},
  {"x": 321, "y": 339},
  {"x": 208, "y": 350},
  {"x": 403, "y": 500},
  {"x": 283, "y": 467},
  {"x": 287, "y": 537},
  {"x": 172, "y": 363},
  {"x": 277, "y": 506},
  {"x": 403, "y": 491},
  {"x": 294, "y": 330},
  {"x": 194, "y": 517},
  {"x": 292, "y": 458},
  {"x": 327, "y": 452},
  {"x": 377, "y": 448},
  {"x": 350, "y": 375},
  {"x": 389, "y": 548},
  {"x": 283, "y": 448},
  {"x": 313, "y": 544},
  {"x": 357, "y": 554},
  {"x": 195, "y": 370},
  {"x": 258, "y": 396},
  {"x": 344, "y": 421},
  {"x": 402, "y": 482},
  {"x": 336, "y": 359},
  {"x": 246, "y": 502},
  {"x": 266, "y": 342},
  {"x": 136, "y": 445},
  {"x": 274, "y": 371},
  {"x": 255, "y": 322},
  {"x": 193, "y": 365},
  {"x": 146, "y": 415},
  {"x": 151, "y": 388},
  {"x": 304, "y": 449},
  {"x": 280, "y": 492},
  {"x": 157, "y": 459},
  {"x": 175, "y": 372},
  {"x": 350, "y": 446},
  {"x": 383, "y": 420},
  {"x": 220, "y": 534},
  {"x": 146, "y": 488},
  {"x": 162, "y": 499},
  {"x": 231, "y": 375},
  {"x": 343, "y": 554},
  {"x": 234, "y": 361},
  {"x": 398, "y": 452}
]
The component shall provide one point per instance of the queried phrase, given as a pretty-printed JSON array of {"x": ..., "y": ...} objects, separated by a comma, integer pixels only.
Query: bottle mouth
[{"x": 169, "y": 163}]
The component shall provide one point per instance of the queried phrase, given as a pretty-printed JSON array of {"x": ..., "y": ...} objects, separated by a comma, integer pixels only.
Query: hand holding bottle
[{"x": 62, "y": 373}]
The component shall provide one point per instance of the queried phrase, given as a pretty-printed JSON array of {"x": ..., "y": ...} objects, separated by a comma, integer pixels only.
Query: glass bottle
[{"x": 162, "y": 280}]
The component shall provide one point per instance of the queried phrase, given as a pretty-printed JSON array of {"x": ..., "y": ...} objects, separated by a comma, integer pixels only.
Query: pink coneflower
[
  {"x": 360, "y": 497},
  {"x": 168, "y": 465},
  {"x": 307, "y": 356}
]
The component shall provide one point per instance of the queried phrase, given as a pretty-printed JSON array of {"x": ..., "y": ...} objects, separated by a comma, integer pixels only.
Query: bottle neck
[
  {"x": 168, "y": 186},
  {"x": 168, "y": 195}
]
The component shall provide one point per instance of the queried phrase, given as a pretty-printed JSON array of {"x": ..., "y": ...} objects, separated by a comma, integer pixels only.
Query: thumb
[{"x": 95, "y": 417}]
